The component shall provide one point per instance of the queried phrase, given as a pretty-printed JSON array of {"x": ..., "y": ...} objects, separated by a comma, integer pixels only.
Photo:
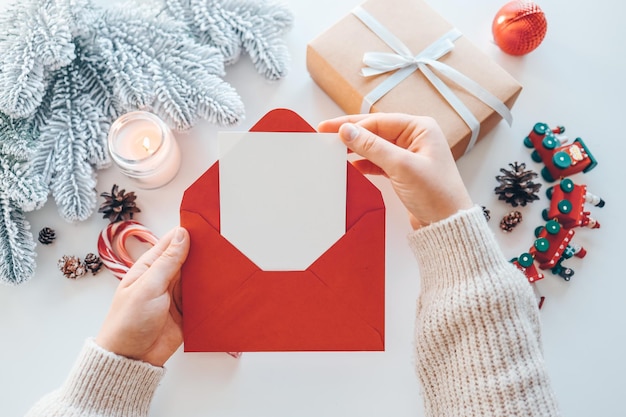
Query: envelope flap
[
  {"x": 203, "y": 194},
  {"x": 289, "y": 315},
  {"x": 282, "y": 120},
  {"x": 359, "y": 285},
  {"x": 206, "y": 291},
  {"x": 362, "y": 197}
]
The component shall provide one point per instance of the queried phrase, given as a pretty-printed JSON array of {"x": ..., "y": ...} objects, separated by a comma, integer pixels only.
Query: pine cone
[
  {"x": 71, "y": 266},
  {"x": 118, "y": 205},
  {"x": 93, "y": 263},
  {"x": 511, "y": 220},
  {"x": 516, "y": 185},
  {"x": 46, "y": 236}
]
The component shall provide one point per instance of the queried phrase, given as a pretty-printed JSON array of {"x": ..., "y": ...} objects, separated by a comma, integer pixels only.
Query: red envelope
[{"x": 337, "y": 304}]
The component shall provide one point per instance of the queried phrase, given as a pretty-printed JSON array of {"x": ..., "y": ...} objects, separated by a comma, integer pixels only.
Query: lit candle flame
[{"x": 146, "y": 145}]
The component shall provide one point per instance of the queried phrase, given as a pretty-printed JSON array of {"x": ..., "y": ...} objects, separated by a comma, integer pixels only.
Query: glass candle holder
[{"x": 144, "y": 149}]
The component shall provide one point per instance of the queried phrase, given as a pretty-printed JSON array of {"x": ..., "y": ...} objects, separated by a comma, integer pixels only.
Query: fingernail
[
  {"x": 179, "y": 236},
  {"x": 351, "y": 131}
]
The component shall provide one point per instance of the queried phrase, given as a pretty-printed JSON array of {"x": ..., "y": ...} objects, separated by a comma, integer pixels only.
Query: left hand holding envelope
[
  {"x": 144, "y": 322},
  {"x": 414, "y": 154}
]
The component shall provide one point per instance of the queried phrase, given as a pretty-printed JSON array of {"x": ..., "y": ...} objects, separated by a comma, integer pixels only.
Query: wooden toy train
[{"x": 553, "y": 243}]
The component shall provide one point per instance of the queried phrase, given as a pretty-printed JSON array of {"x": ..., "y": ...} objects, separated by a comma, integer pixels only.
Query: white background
[{"x": 575, "y": 78}]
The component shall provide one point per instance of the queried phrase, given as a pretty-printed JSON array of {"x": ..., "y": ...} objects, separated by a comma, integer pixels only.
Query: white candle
[{"x": 144, "y": 148}]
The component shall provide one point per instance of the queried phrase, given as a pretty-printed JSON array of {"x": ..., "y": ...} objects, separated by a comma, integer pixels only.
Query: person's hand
[
  {"x": 414, "y": 154},
  {"x": 144, "y": 322}
]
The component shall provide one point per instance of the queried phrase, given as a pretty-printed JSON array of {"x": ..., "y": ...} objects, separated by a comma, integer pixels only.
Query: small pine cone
[
  {"x": 511, "y": 220},
  {"x": 487, "y": 213},
  {"x": 46, "y": 236},
  {"x": 93, "y": 263},
  {"x": 71, "y": 266},
  {"x": 118, "y": 205}
]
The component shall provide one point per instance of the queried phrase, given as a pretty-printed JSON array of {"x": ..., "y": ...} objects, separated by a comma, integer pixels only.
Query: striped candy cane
[{"x": 112, "y": 245}]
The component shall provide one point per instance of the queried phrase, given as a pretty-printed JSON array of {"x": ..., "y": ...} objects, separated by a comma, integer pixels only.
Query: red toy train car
[
  {"x": 552, "y": 246},
  {"x": 561, "y": 159},
  {"x": 567, "y": 205}
]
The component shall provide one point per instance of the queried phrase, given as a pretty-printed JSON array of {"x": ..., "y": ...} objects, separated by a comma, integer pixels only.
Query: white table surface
[{"x": 575, "y": 78}]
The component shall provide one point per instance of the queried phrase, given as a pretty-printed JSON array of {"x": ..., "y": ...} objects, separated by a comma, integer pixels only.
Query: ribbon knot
[
  {"x": 377, "y": 63},
  {"x": 381, "y": 62},
  {"x": 403, "y": 63}
]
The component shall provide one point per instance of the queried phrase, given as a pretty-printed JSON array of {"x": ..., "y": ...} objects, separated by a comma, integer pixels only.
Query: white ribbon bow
[
  {"x": 381, "y": 62},
  {"x": 404, "y": 63}
]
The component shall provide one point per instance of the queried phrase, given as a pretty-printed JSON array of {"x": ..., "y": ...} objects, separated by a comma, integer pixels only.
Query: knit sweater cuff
[
  {"x": 105, "y": 384},
  {"x": 478, "y": 339},
  {"x": 454, "y": 248}
]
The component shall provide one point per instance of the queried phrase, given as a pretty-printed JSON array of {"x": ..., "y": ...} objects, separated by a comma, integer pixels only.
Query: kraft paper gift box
[
  {"x": 231, "y": 304},
  {"x": 335, "y": 60}
]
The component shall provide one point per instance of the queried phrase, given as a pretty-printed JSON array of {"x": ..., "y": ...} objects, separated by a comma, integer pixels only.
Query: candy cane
[{"x": 112, "y": 245}]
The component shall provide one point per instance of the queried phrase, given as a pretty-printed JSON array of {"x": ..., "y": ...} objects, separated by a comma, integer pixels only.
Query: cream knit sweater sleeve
[
  {"x": 102, "y": 384},
  {"x": 478, "y": 340}
]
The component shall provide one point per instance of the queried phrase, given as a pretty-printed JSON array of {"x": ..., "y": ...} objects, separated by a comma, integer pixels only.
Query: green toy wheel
[
  {"x": 564, "y": 206},
  {"x": 546, "y": 175},
  {"x": 528, "y": 143},
  {"x": 542, "y": 244},
  {"x": 549, "y": 192},
  {"x": 538, "y": 230},
  {"x": 567, "y": 185},
  {"x": 544, "y": 214},
  {"x": 540, "y": 128},
  {"x": 553, "y": 227},
  {"x": 525, "y": 260},
  {"x": 561, "y": 160},
  {"x": 549, "y": 142},
  {"x": 535, "y": 156}
]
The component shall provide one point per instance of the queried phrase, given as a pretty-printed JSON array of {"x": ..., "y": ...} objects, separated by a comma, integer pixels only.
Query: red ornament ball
[{"x": 519, "y": 27}]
